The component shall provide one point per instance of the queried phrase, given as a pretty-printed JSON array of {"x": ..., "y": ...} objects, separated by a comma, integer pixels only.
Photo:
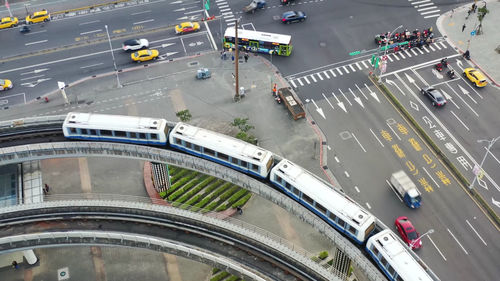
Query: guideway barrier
[{"x": 476, "y": 196}]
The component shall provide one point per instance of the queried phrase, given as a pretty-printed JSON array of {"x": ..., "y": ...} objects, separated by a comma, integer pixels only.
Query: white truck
[{"x": 406, "y": 189}]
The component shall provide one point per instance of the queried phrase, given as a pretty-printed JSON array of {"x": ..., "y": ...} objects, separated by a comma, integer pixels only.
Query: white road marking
[
  {"x": 395, "y": 56},
  {"x": 92, "y": 31},
  {"x": 91, "y": 65},
  {"x": 337, "y": 159},
  {"x": 307, "y": 80},
  {"x": 359, "y": 89},
  {"x": 293, "y": 84},
  {"x": 494, "y": 157},
  {"x": 344, "y": 97},
  {"x": 423, "y": 5},
  {"x": 353, "y": 69},
  {"x": 373, "y": 133},
  {"x": 89, "y": 22},
  {"x": 461, "y": 122},
  {"x": 357, "y": 189},
  {"x": 394, "y": 132},
  {"x": 413, "y": 51},
  {"x": 389, "y": 57},
  {"x": 432, "y": 16},
  {"x": 33, "y": 77},
  {"x": 359, "y": 67},
  {"x": 339, "y": 71},
  {"x": 368, "y": 205},
  {"x": 437, "y": 46},
  {"x": 144, "y": 21},
  {"x": 439, "y": 251},
  {"x": 36, "y": 32},
  {"x": 143, "y": 12},
  {"x": 432, "y": 49},
  {"x": 364, "y": 64},
  {"x": 457, "y": 241},
  {"x": 319, "y": 75},
  {"x": 476, "y": 233},
  {"x": 323, "y": 94},
  {"x": 314, "y": 79},
  {"x": 429, "y": 175},
  {"x": 430, "y": 12},
  {"x": 36, "y": 42},
  {"x": 300, "y": 82},
  {"x": 418, "y": 49},
  {"x": 347, "y": 174},
  {"x": 326, "y": 74},
  {"x": 333, "y": 73},
  {"x": 419, "y": 2},
  {"x": 428, "y": 8},
  {"x": 345, "y": 69},
  {"x": 443, "y": 44},
  {"x": 401, "y": 54},
  {"x": 358, "y": 142}
]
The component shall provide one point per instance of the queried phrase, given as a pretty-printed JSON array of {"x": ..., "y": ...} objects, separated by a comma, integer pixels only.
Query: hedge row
[
  {"x": 181, "y": 182},
  {"x": 185, "y": 188},
  {"x": 236, "y": 196},
  {"x": 242, "y": 201},
  {"x": 203, "y": 181},
  {"x": 215, "y": 270},
  {"x": 228, "y": 193},
  {"x": 220, "y": 276},
  {"x": 233, "y": 278},
  {"x": 211, "y": 197},
  {"x": 172, "y": 169},
  {"x": 175, "y": 177},
  {"x": 212, "y": 187}
]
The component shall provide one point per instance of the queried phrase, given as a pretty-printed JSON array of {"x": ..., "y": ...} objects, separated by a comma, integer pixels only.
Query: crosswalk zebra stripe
[
  {"x": 402, "y": 56},
  {"x": 437, "y": 46},
  {"x": 353, "y": 69},
  {"x": 389, "y": 57},
  {"x": 408, "y": 53},
  {"x": 319, "y": 75},
  {"x": 427, "y": 50},
  {"x": 345, "y": 69},
  {"x": 364, "y": 64},
  {"x": 443, "y": 44},
  {"x": 359, "y": 67},
  {"x": 414, "y": 53},
  {"x": 339, "y": 71},
  {"x": 314, "y": 79},
  {"x": 300, "y": 82},
  {"x": 418, "y": 49},
  {"x": 430, "y": 46},
  {"x": 326, "y": 74},
  {"x": 307, "y": 80},
  {"x": 396, "y": 57},
  {"x": 333, "y": 73},
  {"x": 293, "y": 84}
]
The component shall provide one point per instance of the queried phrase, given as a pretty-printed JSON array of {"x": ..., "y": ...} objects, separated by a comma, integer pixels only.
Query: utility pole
[
  {"x": 236, "y": 60},
  {"x": 119, "y": 85},
  {"x": 490, "y": 144}
]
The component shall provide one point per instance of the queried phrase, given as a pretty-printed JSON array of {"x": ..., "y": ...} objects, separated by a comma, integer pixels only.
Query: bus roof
[{"x": 259, "y": 36}]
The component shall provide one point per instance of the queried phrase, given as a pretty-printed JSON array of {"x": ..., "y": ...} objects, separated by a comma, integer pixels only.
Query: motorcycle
[
  {"x": 443, "y": 64},
  {"x": 451, "y": 74}
]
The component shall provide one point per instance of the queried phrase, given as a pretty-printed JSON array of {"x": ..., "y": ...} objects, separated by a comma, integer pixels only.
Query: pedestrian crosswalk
[
  {"x": 426, "y": 8},
  {"x": 226, "y": 12},
  {"x": 362, "y": 65}
]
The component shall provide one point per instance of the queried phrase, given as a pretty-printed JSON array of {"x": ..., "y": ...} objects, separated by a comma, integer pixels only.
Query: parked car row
[{"x": 36, "y": 17}]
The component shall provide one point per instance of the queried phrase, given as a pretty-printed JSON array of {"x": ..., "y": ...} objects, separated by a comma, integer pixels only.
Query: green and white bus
[{"x": 259, "y": 42}]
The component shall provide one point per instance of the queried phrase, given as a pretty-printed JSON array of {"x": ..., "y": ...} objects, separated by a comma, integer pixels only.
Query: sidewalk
[{"x": 482, "y": 47}]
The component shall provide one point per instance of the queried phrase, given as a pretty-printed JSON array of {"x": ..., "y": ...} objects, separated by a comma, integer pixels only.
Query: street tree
[{"x": 481, "y": 13}]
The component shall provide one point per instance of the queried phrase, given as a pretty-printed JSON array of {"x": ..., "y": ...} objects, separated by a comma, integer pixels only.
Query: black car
[
  {"x": 293, "y": 16},
  {"x": 434, "y": 95}
]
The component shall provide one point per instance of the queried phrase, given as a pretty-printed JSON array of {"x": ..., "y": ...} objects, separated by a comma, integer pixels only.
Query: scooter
[{"x": 451, "y": 74}]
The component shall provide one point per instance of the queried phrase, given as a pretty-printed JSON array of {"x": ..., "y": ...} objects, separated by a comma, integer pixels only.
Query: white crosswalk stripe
[
  {"x": 353, "y": 69},
  {"x": 418, "y": 49},
  {"x": 326, "y": 74},
  {"x": 293, "y": 84},
  {"x": 389, "y": 57},
  {"x": 402, "y": 56},
  {"x": 314, "y": 79},
  {"x": 395, "y": 56},
  {"x": 359, "y": 67},
  {"x": 307, "y": 80},
  {"x": 339, "y": 71},
  {"x": 437, "y": 46},
  {"x": 319, "y": 75},
  {"x": 430, "y": 46},
  {"x": 300, "y": 82},
  {"x": 408, "y": 53},
  {"x": 333, "y": 73},
  {"x": 364, "y": 64},
  {"x": 443, "y": 44},
  {"x": 427, "y": 50},
  {"x": 414, "y": 53},
  {"x": 345, "y": 69}
]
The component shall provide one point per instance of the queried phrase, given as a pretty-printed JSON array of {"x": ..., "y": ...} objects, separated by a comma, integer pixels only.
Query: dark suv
[
  {"x": 293, "y": 16},
  {"x": 434, "y": 95}
]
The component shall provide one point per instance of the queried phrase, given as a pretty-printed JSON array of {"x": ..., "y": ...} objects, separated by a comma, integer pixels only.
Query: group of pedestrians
[{"x": 224, "y": 55}]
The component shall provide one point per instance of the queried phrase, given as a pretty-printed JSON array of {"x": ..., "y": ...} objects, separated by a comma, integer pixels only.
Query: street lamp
[
  {"x": 430, "y": 231},
  {"x": 113, "y": 56},
  {"x": 387, "y": 41},
  {"x": 490, "y": 144}
]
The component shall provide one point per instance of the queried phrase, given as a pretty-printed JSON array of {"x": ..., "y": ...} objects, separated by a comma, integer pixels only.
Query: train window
[
  {"x": 341, "y": 222},
  {"x": 321, "y": 208},
  {"x": 289, "y": 186},
  {"x": 72, "y": 130},
  {"x": 307, "y": 199},
  {"x": 142, "y": 136},
  {"x": 93, "y": 132},
  {"x": 154, "y": 136},
  {"x": 332, "y": 216},
  {"x": 383, "y": 261},
  {"x": 244, "y": 164},
  {"x": 133, "y": 135},
  {"x": 391, "y": 270},
  {"x": 255, "y": 168},
  {"x": 295, "y": 190},
  {"x": 188, "y": 144},
  {"x": 120, "y": 134},
  {"x": 352, "y": 229},
  {"x": 222, "y": 156},
  {"x": 178, "y": 141},
  {"x": 234, "y": 160},
  {"x": 399, "y": 278},
  {"x": 278, "y": 178},
  {"x": 375, "y": 250},
  {"x": 106, "y": 133},
  {"x": 209, "y": 151},
  {"x": 196, "y": 147},
  {"x": 84, "y": 132}
]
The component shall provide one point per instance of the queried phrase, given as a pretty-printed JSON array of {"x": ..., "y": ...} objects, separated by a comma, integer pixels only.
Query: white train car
[
  {"x": 330, "y": 204},
  {"x": 116, "y": 128},
  {"x": 394, "y": 259},
  {"x": 226, "y": 150}
]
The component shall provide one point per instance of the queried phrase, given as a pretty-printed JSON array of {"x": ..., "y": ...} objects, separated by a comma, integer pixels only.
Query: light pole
[
  {"x": 490, "y": 144},
  {"x": 113, "y": 56},
  {"x": 430, "y": 231},
  {"x": 387, "y": 41}
]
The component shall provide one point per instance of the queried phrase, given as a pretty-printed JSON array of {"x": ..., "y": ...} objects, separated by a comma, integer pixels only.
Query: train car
[
  {"x": 393, "y": 258},
  {"x": 330, "y": 204},
  {"x": 226, "y": 150},
  {"x": 116, "y": 128}
]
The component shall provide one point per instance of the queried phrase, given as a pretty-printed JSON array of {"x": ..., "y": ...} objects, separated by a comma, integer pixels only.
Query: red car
[{"x": 408, "y": 232}]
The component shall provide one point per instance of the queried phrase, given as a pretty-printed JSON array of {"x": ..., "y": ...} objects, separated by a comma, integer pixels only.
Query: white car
[{"x": 135, "y": 44}]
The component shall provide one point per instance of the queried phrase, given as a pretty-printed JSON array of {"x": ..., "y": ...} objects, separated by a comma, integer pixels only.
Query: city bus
[{"x": 259, "y": 42}]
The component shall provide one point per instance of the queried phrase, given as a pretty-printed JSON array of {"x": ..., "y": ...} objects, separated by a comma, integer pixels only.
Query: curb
[
  {"x": 88, "y": 7},
  {"x": 442, "y": 30}
]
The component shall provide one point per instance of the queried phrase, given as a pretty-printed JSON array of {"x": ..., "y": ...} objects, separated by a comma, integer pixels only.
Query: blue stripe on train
[
  {"x": 379, "y": 264},
  {"x": 305, "y": 204},
  {"x": 246, "y": 171},
  {"x": 117, "y": 140}
]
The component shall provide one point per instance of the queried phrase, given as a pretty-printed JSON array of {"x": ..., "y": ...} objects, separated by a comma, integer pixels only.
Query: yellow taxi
[
  {"x": 8, "y": 22},
  {"x": 144, "y": 55},
  {"x": 37, "y": 17},
  {"x": 5, "y": 84},
  {"x": 186, "y": 27},
  {"x": 476, "y": 77}
]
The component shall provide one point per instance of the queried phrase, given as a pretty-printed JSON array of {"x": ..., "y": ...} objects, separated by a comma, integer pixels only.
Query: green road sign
[
  {"x": 354, "y": 53},
  {"x": 207, "y": 5}
]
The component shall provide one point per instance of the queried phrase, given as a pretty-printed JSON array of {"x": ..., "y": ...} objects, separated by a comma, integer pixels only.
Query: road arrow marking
[
  {"x": 357, "y": 99},
  {"x": 359, "y": 89},
  {"x": 465, "y": 92},
  {"x": 437, "y": 74},
  {"x": 327, "y": 100},
  {"x": 410, "y": 79},
  {"x": 414, "y": 106},
  {"x": 176, "y": 2},
  {"x": 345, "y": 97},
  {"x": 446, "y": 96},
  {"x": 373, "y": 94},
  {"x": 167, "y": 44},
  {"x": 319, "y": 110},
  {"x": 36, "y": 71},
  {"x": 31, "y": 85},
  {"x": 395, "y": 85},
  {"x": 171, "y": 53},
  {"x": 183, "y": 18},
  {"x": 180, "y": 10},
  {"x": 459, "y": 63},
  {"x": 339, "y": 103},
  {"x": 496, "y": 203}
]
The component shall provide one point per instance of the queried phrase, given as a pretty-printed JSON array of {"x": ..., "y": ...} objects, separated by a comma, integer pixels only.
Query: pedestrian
[
  {"x": 468, "y": 14},
  {"x": 46, "y": 189},
  {"x": 224, "y": 55},
  {"x": 463, "y": 27},
  {"x": 246, "y": 57},
  {"x": 232, "y": 58},
  {"x": 234, "y": 77},
  {"x": 474, "y": 7},
  {"x": 240, "y": 211},
  {"x": 15, "y": 265}
]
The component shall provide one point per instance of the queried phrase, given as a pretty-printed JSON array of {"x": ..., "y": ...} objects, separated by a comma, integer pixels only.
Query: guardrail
[
  {"x": 17, "y": 154},
  {"x": 15, "y": 124},
  {"x": 137, "y": 209}
]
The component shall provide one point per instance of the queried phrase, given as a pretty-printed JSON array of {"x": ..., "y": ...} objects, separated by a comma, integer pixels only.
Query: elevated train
[{"x": 333, "y": 206}]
